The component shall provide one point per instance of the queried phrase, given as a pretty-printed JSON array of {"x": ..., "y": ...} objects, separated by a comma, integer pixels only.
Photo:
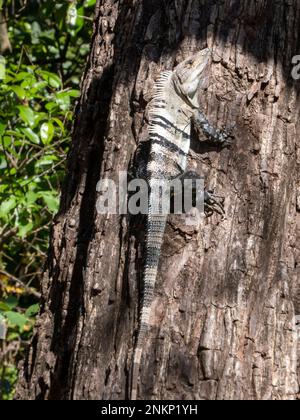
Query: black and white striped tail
[{"x": 155, "y": 235}]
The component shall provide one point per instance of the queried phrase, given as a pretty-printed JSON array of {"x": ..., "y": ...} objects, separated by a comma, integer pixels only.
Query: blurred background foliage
[{"x": 43, "y": 50}]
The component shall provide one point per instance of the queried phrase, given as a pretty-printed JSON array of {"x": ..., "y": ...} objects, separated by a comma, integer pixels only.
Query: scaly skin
[{"x": 175, "y": 105}]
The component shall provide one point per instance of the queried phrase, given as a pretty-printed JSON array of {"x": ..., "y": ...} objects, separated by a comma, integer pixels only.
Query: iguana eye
[{"x": 190, "y": 63}]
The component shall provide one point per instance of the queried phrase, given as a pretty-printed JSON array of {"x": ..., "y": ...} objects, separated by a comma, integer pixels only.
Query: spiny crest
[
  {"x": 161, "y": 84},
  {"x": 160, "y": 97}
]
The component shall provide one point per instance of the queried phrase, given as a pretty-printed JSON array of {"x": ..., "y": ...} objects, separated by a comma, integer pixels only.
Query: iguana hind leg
[{"x": 212, "y": 201}]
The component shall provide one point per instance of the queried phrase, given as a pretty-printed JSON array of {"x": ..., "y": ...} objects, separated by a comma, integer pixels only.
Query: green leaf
[
  {"x": 3, "y": 163},
  {"x": 63, "y": 100},
  {"x": 16, "y": 319},
  {"x": 32, "y": 310},
  {"x": 13, "y": 336},
  {"x": 2, "y": 128},
  {"x": 47, "y": 132},
  {"x": 27, "y": 115},
  {"x": 31, "y": 197},
  {"x": 59, "y": 123},
  {"x": 51, "y": 106},
  {"x": 26, "y": 79},
  {"x": 51, "y": 78},
  {"x": 46, "y": 161},
  {"x": 79, "y": 20},
  {"x": 14, "y": 134},
  {"x": 35, "y": 32},
  {"x": 25, "y": 229},
  {"x": 51, "y": 200},
  {"x": 74, "y": 93},
  {"x": 4, "y": 307},
  {"x": 11, "y": 302},
  {"x": 19, "y": 91},
  {"x": 31, "y": 135},
  {"x": 36, "y": 87},
  {"x": 72, "y": 15},
  {"x": 7, "y": 206},
  {"x": 2, "y": 68},
  {"x": 89, "y": 3}
]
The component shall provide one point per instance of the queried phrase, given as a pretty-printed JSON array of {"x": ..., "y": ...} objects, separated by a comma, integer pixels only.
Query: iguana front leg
[{"x": 213, "y": 135}]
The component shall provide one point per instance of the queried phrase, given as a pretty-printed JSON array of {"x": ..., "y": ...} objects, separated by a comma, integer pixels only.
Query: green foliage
[
  {"x": 50, "y": 41},
  {"x": 33, "y": 147},
  {"x": 9, "y": 375}
]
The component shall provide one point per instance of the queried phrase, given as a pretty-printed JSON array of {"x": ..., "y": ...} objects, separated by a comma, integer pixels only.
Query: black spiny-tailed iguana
[{"x": 174, "y": 107}]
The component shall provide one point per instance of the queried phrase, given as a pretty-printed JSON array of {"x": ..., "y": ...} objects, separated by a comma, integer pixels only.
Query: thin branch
[
  {"x": 28, "y": 290},
  {"x": 86, "y": 18},
  {"x": 5, "y": 235}
]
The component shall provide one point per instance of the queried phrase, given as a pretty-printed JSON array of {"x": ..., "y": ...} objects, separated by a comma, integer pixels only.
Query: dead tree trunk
[{"x": 223, "y": 319}]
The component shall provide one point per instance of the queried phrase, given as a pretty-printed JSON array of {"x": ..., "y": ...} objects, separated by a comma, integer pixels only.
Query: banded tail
[{"x": 155, "y": 234}]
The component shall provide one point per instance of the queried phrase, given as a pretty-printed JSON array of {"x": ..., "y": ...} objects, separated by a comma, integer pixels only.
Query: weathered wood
[
  {"x": 5, "y": 44},
  {"x": 223, "y": 319}
]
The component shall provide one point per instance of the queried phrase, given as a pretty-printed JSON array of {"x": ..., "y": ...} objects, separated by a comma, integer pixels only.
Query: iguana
[{"x": 173, "y": 110}]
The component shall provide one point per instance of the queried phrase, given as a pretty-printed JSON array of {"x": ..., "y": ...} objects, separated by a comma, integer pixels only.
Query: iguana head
[{"x": 188, "y": 75}]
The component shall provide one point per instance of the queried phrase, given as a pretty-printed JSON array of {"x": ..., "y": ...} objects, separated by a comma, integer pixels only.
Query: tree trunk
[
  {"x": 5, "y": 44},
  {"x": 223, "y": 323}
]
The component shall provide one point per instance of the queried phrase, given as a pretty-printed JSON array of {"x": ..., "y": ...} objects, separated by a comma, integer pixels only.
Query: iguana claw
[
  {"x": 228, "y": 135},
  {"x": 213, "y": 203}
]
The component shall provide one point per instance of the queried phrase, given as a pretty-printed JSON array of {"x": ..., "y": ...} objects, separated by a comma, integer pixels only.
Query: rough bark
[
  {"x": 5, "y": 44},
  {"x": 223, "y": 319}
]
